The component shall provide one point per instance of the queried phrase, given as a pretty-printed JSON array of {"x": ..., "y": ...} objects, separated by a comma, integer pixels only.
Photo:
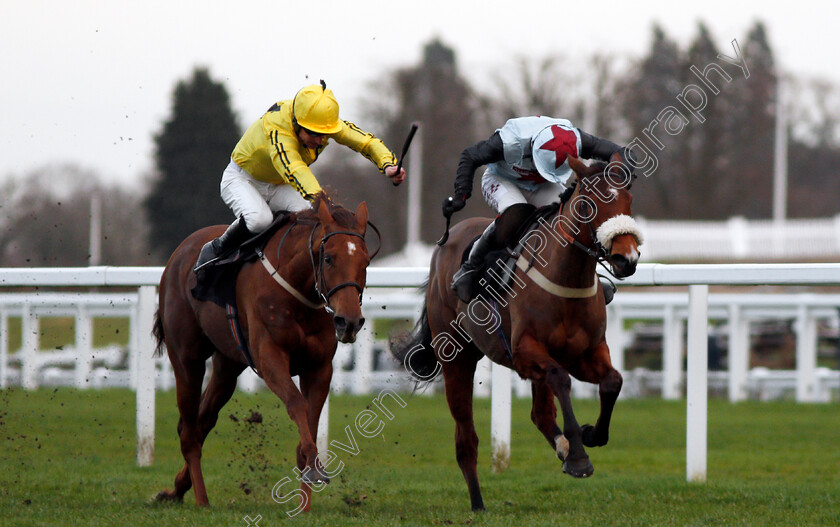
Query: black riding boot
[
  {"x": 465, "y": 280},
  {"x": 232, "y": 238}
]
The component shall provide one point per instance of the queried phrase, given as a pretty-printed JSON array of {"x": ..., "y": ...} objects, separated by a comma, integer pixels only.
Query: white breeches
[
  {"x": 501, "y": 193},
  {"x": 257, "y": 200}
]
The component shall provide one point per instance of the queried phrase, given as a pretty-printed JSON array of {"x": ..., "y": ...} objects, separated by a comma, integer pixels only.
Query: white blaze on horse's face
[{"x": 351, "y": 248}]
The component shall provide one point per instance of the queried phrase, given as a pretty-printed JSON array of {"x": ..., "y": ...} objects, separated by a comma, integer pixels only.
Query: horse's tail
[
  {"x": 157, "y": 332},
  {"x": 414, "y": 350}
]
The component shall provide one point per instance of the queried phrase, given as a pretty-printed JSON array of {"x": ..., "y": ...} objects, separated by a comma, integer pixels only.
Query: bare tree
[
  {"x": 434, "y": 93},
  {"x": 45, "y": 224}
]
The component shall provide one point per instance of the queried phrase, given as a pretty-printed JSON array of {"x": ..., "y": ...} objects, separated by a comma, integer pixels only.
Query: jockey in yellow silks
[{"x": 269, "y": 167}]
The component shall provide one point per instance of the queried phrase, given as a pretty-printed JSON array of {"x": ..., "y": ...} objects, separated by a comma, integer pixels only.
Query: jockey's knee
[
  {"x": 511, "y": 219},
  {"x": 258, "y": 221}
]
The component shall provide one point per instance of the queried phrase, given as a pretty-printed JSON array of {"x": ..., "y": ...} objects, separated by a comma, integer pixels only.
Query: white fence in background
[
  {"x": 365, "y": 367},
  {"x": 740, "y": 239},
  {"x": 696, "y": 307},
  {"x": 735, "y": 239}
]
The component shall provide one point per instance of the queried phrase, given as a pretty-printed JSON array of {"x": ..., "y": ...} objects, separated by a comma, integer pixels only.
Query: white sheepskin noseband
[{"x": 621, "y": 224}]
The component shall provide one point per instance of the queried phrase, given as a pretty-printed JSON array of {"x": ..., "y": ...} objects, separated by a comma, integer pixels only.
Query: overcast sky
[{"x": 89, "y": 82}]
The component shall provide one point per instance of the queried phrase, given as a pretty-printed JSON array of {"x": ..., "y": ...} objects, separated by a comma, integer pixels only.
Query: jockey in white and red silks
[{"x": 527, "y": 167}]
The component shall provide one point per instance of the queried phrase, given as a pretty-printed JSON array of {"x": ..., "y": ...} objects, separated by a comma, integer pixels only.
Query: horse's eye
[{"x": 328, "y": 260}]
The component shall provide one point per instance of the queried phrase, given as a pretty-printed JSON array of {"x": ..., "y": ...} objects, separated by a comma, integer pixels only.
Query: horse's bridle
[
  {"x": 318, "y": 270},
  {"x": 598, "y": 252}
]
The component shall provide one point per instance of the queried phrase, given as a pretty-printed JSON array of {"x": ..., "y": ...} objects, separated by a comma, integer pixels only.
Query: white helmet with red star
[{"x": 551, "y": 148}]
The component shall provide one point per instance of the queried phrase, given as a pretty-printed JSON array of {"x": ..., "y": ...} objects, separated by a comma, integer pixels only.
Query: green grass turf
[{"x": 68, "y": 457}]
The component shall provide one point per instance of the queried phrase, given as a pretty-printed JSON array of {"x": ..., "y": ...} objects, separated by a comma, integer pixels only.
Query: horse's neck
[
  {"x": 569, "y": 266},
  {"x": 295, "y": 258}
]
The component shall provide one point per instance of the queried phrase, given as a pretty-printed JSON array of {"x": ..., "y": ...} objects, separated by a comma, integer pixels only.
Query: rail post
[
  {"x": 697, "y": 374},
  {"x": 146, "y": 303}
]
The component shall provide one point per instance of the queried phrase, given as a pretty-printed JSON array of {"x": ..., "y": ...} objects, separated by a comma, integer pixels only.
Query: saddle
[{"x": 216, "y": 281}]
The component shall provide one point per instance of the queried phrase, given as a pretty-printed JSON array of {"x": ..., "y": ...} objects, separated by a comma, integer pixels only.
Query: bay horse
[
  {"x": 548, "y": 324},
  {"x": 291, "y": 330}
]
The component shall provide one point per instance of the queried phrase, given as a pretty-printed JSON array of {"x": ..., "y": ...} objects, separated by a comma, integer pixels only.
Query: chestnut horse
[
  {"x": 548, "y": 323},
  {"x": 291, "y": 329}
]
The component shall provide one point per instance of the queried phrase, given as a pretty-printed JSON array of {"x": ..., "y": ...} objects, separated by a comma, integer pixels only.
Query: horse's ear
[
  {"x": 324, "y": 213},
  {"x": 362, "y": 216},
  {"x": 616, "y": 161},
  {"x": 578, "y": 167}
]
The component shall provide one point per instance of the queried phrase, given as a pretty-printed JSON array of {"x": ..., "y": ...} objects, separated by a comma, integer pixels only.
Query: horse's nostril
[
  {"x": 618, "y": 260},
  {"x": 340, "y": 322}
]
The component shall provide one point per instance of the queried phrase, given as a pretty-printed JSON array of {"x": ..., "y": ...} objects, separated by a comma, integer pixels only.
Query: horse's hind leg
[
  {"x": 188, "y": 378},
  {"x": 601, "y": 372},
  {"x": 219, "y": 390},
  {"x": 458, "y": 377},
  {"x": 544, "y": 416}
]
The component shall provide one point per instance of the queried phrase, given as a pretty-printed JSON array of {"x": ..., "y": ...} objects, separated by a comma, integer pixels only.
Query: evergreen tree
[{"x": 191, "y": 151}]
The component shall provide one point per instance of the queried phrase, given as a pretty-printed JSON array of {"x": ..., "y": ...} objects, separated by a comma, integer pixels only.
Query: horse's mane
[
  {"x": 600, "y": 165},
  {"x": 343, "y": 217},
  {"x": 601, "y": 168}
]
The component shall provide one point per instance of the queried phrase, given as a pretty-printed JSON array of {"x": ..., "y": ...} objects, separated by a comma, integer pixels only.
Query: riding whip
[
  {"x": 405, "y": 148},
  {"x": 448, "y": 216}
]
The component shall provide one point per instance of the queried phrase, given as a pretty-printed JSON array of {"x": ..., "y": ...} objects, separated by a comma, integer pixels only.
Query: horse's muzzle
[
  {"x": 623, "y": 266},
  {"x": 346, "y": 329}
]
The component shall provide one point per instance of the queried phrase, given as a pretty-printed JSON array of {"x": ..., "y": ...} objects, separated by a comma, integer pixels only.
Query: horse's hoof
[
  {"x": 165, "y": 496},
  {"x": 312, "y": 476},
  {"x": 581, "y": 468}
]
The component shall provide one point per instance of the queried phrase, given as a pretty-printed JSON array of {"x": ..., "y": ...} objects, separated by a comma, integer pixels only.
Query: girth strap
[{"x": 238, "y": 337}]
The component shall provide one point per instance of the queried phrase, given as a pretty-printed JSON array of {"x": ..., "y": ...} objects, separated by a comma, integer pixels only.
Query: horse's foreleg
[
  {"x": 315, "y": 387},
  {"x": 531, "y": 360},
  {"x": 277, "y": 377},
  {"x": 458, "y": 377},
  {"x": 544, "y": 416},
  {"x": 601, "y": 372},
  {"x": 577, "y": 462}
]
